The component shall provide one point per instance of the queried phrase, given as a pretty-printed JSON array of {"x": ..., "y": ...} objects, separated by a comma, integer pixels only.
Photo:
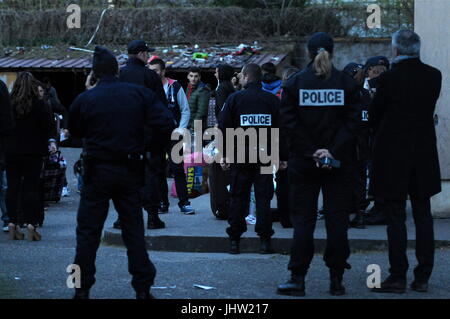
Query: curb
[{"x": 217, "y": 244}]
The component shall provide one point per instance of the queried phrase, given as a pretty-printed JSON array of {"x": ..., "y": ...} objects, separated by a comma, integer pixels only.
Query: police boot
[
  {"x": 336, "y": 286},
  {"x": 294, "y": 287},
  {"x": 154, "y": 222},
  {"x": 392, "y": 285},
  {"x": 144, "y": 295},
  {"x": 81, "y": 294},
  {"x": 359, "y": 220},
  {"x": 234, "y": 247},
  {"x": 266, "y": 246},
  {"x": 375, "y": 217}
]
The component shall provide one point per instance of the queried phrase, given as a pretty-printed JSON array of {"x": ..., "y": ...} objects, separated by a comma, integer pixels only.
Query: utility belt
[{"x": 134, "y": 162}]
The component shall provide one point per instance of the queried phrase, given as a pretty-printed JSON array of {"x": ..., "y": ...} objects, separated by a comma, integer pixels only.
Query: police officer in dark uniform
[
  {"x": 374, "y": 67},
  {"x": 251, "y": 108},
  {"x": 136, "y": 72},
  {"x": 116, "y": 120},
  {"x": 318, "y": 110},
  {"x": 361, "y": 154}
]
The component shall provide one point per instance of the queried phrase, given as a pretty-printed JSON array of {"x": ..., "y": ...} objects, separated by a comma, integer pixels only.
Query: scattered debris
[
  {"x": 204, "y": 287},
  {"x": 168, "y": 287}
]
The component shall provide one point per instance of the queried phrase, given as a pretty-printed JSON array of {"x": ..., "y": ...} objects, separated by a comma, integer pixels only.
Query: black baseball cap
[
  {"x": 352, "y": 68},
  {"x": 378, "y": 60},
  {"x": 137, "y": 46},
  {"x": 320, "y": 40}
]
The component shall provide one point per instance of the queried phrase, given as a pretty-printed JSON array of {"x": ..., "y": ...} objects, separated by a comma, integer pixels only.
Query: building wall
[{"x": 346, "y": 52}]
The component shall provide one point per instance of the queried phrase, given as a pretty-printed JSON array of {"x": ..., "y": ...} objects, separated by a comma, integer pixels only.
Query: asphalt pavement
[{"x": 37, "y": 270}]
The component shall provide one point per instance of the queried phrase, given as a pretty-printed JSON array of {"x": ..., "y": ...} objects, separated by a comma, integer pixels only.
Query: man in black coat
[
  {"x": 117, "y": 121},
  {"x": 405, "y": 157},
  {"x": 136, "y": 72},
  {"x": 6, "y": 126}
]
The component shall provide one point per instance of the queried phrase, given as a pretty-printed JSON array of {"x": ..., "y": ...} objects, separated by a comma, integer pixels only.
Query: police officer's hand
[
  {"x": 322, "y": 153},
  {"x": 224, "y": 164}
]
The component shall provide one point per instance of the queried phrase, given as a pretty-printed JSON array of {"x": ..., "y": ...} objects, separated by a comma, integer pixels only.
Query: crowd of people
[{"x": 338, "y": 129}]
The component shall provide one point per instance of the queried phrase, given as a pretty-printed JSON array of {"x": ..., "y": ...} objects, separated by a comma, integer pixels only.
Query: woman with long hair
[
  {"x": 25, "y": 149},
  {"x": 320, "y": 114}
]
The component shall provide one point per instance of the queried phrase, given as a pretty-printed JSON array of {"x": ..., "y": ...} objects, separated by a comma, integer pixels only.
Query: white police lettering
[
  {"x": 365, "y": 116},
  {"x": 256, "y": 120},
  {"x": 322, "y": 97}
]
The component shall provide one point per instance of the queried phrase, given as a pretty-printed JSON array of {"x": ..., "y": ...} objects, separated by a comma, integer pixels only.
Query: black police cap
[
  {"x": 137, "y": 46},
  {"x": 378, "y": 60},
  {"x": 352, "y": 68},
  {"x": 320, "y": 40}
]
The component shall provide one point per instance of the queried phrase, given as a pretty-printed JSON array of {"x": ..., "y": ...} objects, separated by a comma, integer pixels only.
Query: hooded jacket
[{"x": 272, "y": 84}]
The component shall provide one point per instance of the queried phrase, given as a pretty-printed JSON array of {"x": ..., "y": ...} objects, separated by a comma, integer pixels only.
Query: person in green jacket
[{"x": 198, "y": 94}]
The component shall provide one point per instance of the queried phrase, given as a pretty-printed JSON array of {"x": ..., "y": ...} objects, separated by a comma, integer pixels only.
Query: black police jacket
[
  {"x": 118, "y": 119},
  {"x": 320, "y": 113},
  {"x": 363, "y": 139},
  {"x": 136, "y": 72},
  {"x": 251, "y": 108}
]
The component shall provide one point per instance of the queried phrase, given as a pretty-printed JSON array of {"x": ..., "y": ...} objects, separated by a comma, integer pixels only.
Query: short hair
[
  {"x": 253, "y": 71},
  {"x": 406, "y": 42},
  {"x": 159, "y": 62},
  {"x": 269, "y": 67},
  {"x": 195, "y": 69}
]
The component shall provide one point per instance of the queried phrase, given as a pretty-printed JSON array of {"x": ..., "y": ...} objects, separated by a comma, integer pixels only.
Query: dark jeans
[
  {"x": 120, "y": 183},
  {"x": 306, "y": 181},
  {"x": 23, "y": 175},
  {"x": 3, "y": 189},
  {"x": 397, "y": 237},
  {"x": 242, "y": 178}
]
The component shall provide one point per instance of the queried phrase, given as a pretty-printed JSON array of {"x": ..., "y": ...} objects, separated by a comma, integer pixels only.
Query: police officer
[
  {"x": 136, "y": 72},
  {"x": 374, "y": 67},
  {"x": 318, "y": 111},
  {"x": 251, "y": 108},
  {"x": 115, "y": 120},
  {"x": 361, "y": 154}
]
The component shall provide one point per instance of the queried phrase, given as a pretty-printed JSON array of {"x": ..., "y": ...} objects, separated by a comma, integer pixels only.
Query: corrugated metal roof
[{"x": 175, "y": 62}]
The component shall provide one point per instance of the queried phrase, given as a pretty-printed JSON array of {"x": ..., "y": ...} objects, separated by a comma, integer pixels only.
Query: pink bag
[{"x": 196, "y": 170}]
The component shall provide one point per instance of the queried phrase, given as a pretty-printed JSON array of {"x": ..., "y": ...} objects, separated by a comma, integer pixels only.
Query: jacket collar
[
  {"x": 135, "y": 61},
  {"x": 107, "y": 79},
  {"x": 402, "y": 59},
  {"x": 253, "y": 85}
]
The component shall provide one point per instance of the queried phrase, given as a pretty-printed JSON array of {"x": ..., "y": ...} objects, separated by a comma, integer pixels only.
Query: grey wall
[{"x": 345, "y": 52}]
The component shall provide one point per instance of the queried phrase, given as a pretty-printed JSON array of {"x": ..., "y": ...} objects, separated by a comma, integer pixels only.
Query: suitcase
[
  {"x": 53, "y": 177},
  {"x": 219, "y": 195}
]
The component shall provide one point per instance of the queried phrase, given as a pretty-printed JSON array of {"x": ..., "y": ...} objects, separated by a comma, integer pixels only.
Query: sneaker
[
  {"x": 250, "y": 219},
  {"x": 187, "y": 209},
  {"x": 65, "y": 192}
]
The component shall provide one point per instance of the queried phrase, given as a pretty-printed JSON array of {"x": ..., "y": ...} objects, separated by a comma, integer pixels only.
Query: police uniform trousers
[
  {"x": 179, "y": 177},
  {"x": 282, "y": 193},
  {"x": 305, "y": 182},
  {"x": 120, "y": 182},
  {"x": 397, "y": 237},
  {"x": 358, "y": 184},
  {"x": 242, "y": 178},
  {"x": 151, "y": 192}
]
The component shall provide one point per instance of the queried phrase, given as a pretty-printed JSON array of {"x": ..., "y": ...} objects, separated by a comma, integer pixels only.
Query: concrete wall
[
  {"x": 432, "y": 24},
  {"x": 346, "y": 51}
]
